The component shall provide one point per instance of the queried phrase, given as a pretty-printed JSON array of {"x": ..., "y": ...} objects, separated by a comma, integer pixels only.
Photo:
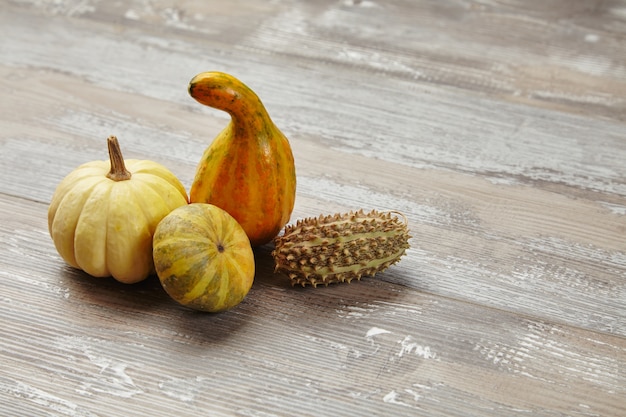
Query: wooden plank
[
  {"x": 370, "y": 348},
  {"x": 552, "y": 54},
  {"x": 433, "y": 128},
  {"x": 526, "y": 239}
]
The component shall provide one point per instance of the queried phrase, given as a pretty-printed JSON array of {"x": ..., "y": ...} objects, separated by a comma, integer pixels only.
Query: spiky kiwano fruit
[{"x": 340, "y": 247}]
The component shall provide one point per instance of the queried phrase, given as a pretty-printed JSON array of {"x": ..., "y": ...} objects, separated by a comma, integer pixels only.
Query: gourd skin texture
[
  {"x": 105, "y": 227},
  {"x": 203, "y": 258},
  {"x": 248, "y": 170},
  {"x": 341, "y": 247}
]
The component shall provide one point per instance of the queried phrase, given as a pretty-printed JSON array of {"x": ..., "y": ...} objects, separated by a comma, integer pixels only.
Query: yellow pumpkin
[
  {"x": 248, "y": 170},
  {"x": 203, "y": 258},
  {"x": 102, "y": 215}
]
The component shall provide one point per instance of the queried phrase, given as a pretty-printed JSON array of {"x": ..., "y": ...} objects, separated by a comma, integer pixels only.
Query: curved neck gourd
[
  {"x": 224, "y": 92},
  {"x": 248, "y": 169}
]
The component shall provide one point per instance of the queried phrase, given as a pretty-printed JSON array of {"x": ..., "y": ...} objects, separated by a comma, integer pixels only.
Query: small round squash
[
  {"x": 203, "y": 258},
  {"x": 103, "y": 214}
]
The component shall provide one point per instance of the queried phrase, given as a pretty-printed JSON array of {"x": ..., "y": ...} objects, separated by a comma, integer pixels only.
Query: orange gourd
[{"x": 248, "y": 170}]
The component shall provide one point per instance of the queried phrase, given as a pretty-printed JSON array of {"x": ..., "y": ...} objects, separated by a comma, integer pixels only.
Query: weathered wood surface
[{"x": 497, "y": 127}]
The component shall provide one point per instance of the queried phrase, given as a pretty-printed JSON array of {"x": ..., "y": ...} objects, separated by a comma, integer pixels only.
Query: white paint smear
[
  {"x": 409, "y": 347},
  {"x": 375, "y": 331},
  {"x": 615, "y": 208},
  {"x": 111, "y": 378},
  {"x": 54, "y": 403},
  {"x": 184, "y": 389},
  {"x": 394, "y": 398}
]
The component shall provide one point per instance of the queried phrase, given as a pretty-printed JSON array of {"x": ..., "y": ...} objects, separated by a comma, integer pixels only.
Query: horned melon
[{"x": 340, "y": 247}]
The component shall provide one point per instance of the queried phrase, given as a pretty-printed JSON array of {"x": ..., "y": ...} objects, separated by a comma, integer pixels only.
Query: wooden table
[{"x": 498, "y": 128}]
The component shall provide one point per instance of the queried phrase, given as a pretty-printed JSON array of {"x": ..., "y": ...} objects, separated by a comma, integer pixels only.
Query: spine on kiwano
[{"x": 340, "y": 247}]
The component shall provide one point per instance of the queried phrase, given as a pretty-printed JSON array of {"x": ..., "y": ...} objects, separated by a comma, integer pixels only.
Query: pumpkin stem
[{"x": 118, "y": 170}]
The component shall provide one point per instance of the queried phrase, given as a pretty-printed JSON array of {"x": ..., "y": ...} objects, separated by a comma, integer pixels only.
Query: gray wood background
[{"x": 497, "y": 127}]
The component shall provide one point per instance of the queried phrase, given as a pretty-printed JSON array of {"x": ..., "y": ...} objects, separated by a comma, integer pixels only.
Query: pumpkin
[
  {"x": 203, "y": 258},
  {"x": 248, "y": 170},
  {"x": 102, "y": 215}
]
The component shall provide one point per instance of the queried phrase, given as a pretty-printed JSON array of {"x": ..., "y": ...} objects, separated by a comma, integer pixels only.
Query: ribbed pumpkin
[
  {"x": 103, "y": 214},
  {"x": 203, "y": 258},
  {"x": 248, "y": 170}
]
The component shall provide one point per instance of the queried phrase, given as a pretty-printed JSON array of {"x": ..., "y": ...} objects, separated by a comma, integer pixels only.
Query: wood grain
[{"x": 497, "y": 127}]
